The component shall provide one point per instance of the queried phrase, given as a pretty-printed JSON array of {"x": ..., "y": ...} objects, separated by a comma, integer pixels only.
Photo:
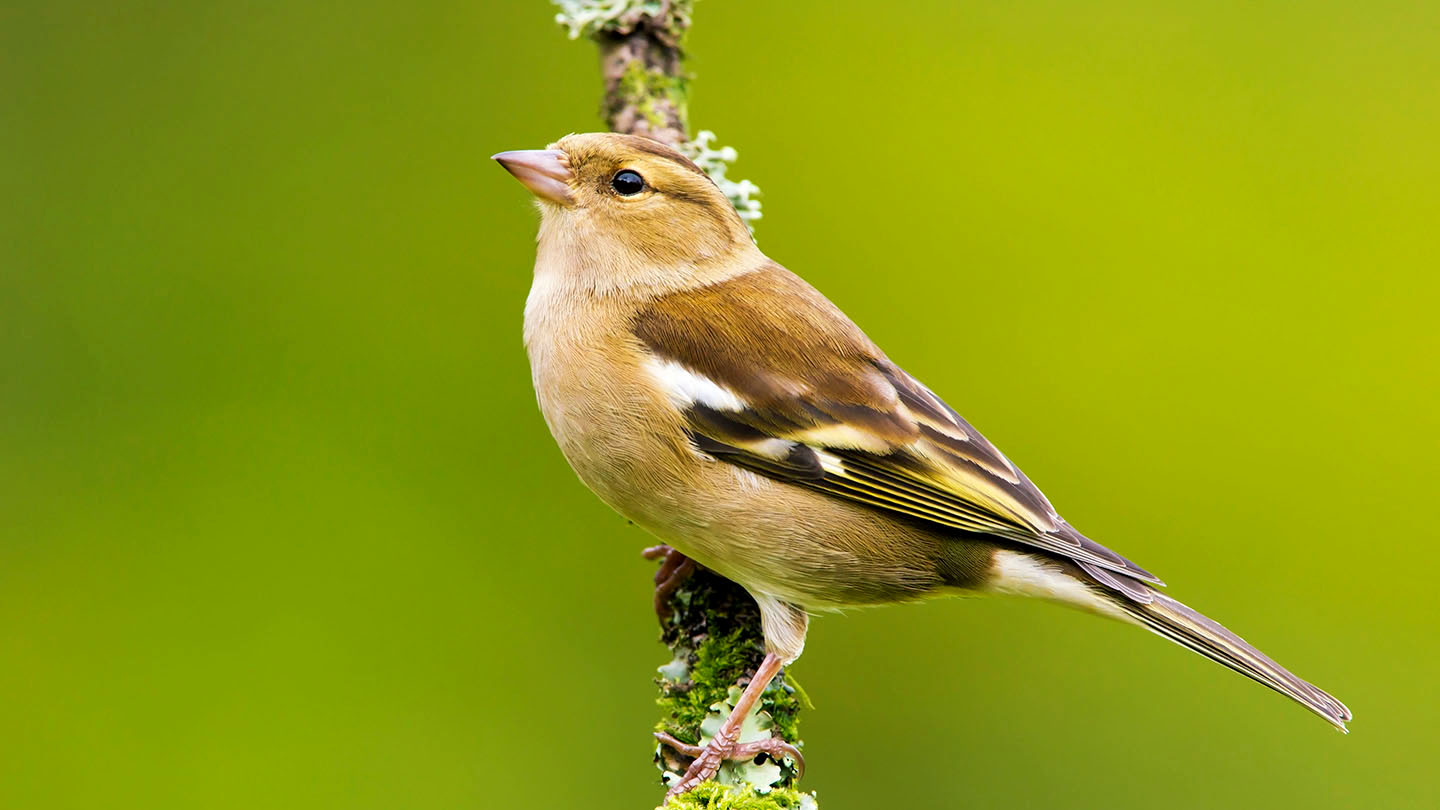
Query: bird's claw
[
  {"x": 672, "y": 573},
  {"x": 708, "y": 758}
]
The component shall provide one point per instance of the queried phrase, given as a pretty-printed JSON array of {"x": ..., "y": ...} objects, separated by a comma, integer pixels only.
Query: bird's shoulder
[{"x": 767, "y": 335}]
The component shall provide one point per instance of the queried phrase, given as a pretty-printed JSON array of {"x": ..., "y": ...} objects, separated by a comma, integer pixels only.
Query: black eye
[{"x": 627, "y": 183}]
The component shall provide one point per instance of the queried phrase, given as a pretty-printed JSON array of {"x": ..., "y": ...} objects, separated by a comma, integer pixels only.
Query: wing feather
[{"x": 804, "y": 397}]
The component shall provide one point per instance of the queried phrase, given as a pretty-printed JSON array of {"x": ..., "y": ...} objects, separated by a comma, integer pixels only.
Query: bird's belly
[
  {"x": 629, "y": 446},
  {"x": 812, "y": 550},
  {"x": 773, "y": 538},
  {"x": 618, "y": 436}
]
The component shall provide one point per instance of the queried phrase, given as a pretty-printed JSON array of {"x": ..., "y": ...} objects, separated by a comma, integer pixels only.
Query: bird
[{"x": 725, "y": 405}]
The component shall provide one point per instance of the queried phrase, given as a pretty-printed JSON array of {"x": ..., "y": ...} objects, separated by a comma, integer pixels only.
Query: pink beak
[{"x": 546, "y": 172}]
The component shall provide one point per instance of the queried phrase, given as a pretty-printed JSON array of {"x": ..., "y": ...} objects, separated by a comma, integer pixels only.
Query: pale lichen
[
  {"x": 760, "y": 771},
  {"x": 591, "y": 17},
  {"x": 742, "y": 194}
]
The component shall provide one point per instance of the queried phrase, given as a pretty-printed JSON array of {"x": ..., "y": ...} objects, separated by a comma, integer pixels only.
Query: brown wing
[{"x": 782, "y": 383}]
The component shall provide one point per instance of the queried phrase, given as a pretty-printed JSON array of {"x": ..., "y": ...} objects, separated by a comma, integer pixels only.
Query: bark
[{"x": 645, "y": 79}]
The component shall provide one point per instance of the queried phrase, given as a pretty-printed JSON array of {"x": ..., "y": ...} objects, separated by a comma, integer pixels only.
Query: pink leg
[{"x": 723, "y": 746}]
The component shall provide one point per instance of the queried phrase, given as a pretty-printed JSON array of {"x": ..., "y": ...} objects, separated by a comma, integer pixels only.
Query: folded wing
[{"x": 803, "y": 396}]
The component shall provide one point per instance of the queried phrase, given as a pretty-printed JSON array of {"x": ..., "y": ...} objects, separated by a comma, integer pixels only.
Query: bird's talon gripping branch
[
  {"x": 723, "y": 746},
  {"x": 672, "y": 573},
  {"x": 777, "y": 749},
  {"x": 692, "y": 751}
]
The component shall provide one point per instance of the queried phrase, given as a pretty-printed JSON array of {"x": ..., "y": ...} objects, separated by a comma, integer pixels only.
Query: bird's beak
[{"x": 546, "y": 172}]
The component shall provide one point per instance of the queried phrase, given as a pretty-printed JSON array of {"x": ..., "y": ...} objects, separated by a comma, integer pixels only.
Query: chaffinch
[{"x": 722, "y": 403}]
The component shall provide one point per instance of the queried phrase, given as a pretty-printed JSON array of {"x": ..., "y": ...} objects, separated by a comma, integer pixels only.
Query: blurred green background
[{"x": 280, "y": 524}]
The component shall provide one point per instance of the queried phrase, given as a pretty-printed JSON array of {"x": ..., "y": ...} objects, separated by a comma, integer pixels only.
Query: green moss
[
  {"x": 718, "y": 662},
  {"x": 784, "y": 706},
  {"x": 712, "y": 796},
  {"x": 652, "y": 93}
]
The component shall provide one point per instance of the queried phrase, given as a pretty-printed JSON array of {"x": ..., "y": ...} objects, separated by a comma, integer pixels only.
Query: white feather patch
[
  {"x": 685, "y": 387},
  {"x": 783, "y": 625},
  {"x": 829, "y": 463},
  {"x": 771, "y": 448},
  {"x": 1018, "y": 574}
]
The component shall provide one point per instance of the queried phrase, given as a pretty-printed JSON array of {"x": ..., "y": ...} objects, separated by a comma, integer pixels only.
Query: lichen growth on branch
[
  {"x": 743, "y": 194},
  {"x": 591, "y": 17}
]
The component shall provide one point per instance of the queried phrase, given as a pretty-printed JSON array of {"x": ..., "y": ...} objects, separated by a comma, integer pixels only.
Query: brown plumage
[
  {"x": 810, "y": 377},
  {"x": 721, "y": 402}
]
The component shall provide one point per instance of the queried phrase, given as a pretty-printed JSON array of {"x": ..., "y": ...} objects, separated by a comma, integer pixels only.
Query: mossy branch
[
  {"x": 640, "y": 59},
  {"x": 713, "y": 632},
  {"x": 713, "y": 626}
]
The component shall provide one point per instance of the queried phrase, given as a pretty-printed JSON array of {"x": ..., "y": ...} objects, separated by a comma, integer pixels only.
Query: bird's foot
[
  {"x": 673, "y": 571},
  {"x": 708, "y": 758},
  {"x": 724, "y": 745}
]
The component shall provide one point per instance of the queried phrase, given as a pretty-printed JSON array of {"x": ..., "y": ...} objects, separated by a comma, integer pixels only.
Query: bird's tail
[{"x": 1189, "y": 628}]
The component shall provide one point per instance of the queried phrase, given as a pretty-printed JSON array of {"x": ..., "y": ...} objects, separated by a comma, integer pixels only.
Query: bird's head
[{"x": 619, "y": 211}]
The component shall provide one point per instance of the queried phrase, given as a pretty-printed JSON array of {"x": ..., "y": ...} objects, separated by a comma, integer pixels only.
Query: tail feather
[
  {"x": 1117, "y": 595},
  {"x": 1191, "y": 629}
]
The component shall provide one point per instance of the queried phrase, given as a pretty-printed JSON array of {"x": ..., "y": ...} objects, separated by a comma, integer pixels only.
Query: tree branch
[
  {"x": 644, "y": 82},
  {"x": 710, "y": 624},
  {"x": 641, "y": 61}
]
